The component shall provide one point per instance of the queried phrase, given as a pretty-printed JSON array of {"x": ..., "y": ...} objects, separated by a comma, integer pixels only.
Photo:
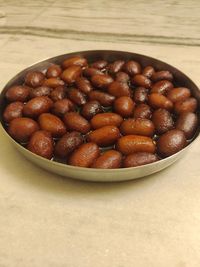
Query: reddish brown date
[
  {"x": 71, "y": 74},
  {"x": 77, "y": 97},
  {"x": 51, "y": 123},
  {"x": 148, "y": 71},
  {"x": 101, "y": 81},
  {"x": 188, "y": 105},
  {"x": 179, "y": 94},
  {"x": 53, "y": 71},
  {"x": 62, "y": 106},
  {"x": 142, "y": 111},
  {"x": 34, "y": 78},
  {"x": 132, "y": 67},
  {"x": 141, "y": 80},
  {"x": 104, "y": 99},
  {"x": 22, "y": 128},
  {"x": 12, "y": 111},
  {"x": 104, "y": 136},
  {"x": 37, "y": 106},
  {"x": 188, "y": 123},
  {"x": 105, "y": 119},
  {"x": 162, "y": 87},
  {"x": 138, "y": 126},
  {"x": 41, "y": 143},
  {"x": 58, "y": 93},
  {"x": 53, "y": 82},
  {"x": 40, "y": 91},
  {"x": 77, "y": 61},
  {"x": 135, "y": 143},
  {"x": 119, "y": 89},
  {"x": 171, "y": 142},
  {"x": 162, "y": 75},
  {"x": 17, "y": 93},
  {"x": 140, "y": 95},
  {"x": 139, "y": 159},
  {"x": 110, "y": 159},
  {"x": 124, "y": 106},
  {"x": 90, "y": 109},
  {"x": 75, "y": 122},
  {"x": 67, "y": 144},
  {"x": 160, "y": 101},
  {"x": 162, "y": 120},
  {"x": 85, "y": 155},
  {"x": 84, "y": 85}
]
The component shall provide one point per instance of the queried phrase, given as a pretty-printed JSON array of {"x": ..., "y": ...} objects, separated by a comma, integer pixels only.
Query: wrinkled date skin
[{"x": 108, "y": 113}]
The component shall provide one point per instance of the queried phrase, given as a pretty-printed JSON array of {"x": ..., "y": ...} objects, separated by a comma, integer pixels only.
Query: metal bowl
[{"x": 101, "y": 175}]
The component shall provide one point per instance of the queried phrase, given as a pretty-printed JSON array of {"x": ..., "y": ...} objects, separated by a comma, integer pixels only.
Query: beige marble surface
[{"x": 50, "y": 221}]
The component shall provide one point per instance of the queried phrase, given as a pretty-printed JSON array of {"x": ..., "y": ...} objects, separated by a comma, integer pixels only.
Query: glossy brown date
[
  {"x": 124, "y": 106},
  {"x": 90, "y": 109},
  {"x": 137, "y": 126},
  {"x": 67, "y": 144},
  {"x": 22, "y": 128},
  {"x": 104, "y": 136},
  {"x": 137, "y": 114},
  {"x": 85, "y": 155},
  {"x": 12, "y": 111},
  {"x": 135, "y": 143},
  {"x": 41, "y": 143},
  {"x": 104, "y": 99},
  {"x": 36, "y": 106},
  {"x": 18, "y": 93},
  {"x": 188, "y": 123},
  {"x": 162, "y": 120},
  {"x": 53, "y": 124},
  {"x": 110, "y": 159},
  {"x": 75, "y": 122},
  {"x": 105, "y": 119},
  {"x": 139, "y": 159},
  {"x": 171, "y": 142}
]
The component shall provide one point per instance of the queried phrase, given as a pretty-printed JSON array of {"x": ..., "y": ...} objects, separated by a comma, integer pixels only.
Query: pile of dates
[{"x": 101, "y": 114}]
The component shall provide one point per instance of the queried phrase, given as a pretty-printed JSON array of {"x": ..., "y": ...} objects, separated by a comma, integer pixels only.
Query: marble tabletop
[{"x": 50, "y": 221}]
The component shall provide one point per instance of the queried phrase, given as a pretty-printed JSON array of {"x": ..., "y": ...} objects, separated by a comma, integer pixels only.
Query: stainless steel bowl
[{"x": 91, "y": 174}]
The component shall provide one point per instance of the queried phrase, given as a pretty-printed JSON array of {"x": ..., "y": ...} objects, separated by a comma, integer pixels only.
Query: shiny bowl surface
[{"x": 91, "y": 174}]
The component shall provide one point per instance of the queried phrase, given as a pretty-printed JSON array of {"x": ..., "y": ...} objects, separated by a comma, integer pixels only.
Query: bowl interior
[{"x": 179, "y": 78}]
